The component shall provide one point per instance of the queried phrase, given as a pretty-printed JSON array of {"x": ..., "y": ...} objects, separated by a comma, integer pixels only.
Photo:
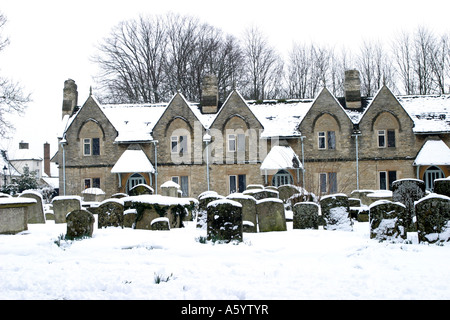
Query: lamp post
[
  {"x": 63, "y": 142},
  {"x": 207, "y": 140},
  {"x": 155, "y": 142}
]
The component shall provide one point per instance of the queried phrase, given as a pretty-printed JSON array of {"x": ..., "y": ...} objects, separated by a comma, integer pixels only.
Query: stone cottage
[{"x": 327, "y": 144}]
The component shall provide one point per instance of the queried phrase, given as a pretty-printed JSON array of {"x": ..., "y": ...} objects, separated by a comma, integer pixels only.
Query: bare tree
[
  {"x": 263, "y": 65},
  {"x": 12, "y": 96}
]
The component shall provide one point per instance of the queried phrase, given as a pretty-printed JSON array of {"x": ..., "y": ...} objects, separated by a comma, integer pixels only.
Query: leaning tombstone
[
  {"x": 306, "y": 215},
  {"x": 387, "y": 221},
  {"x": 433, "y": 218},
  {"x": 442, "y": 186},
  {"x": 271, "y": 215},
  {"x": 35, "y": 212},
  {"x": 62, "y": 205},
  {"x": 224, "y": 220},
  {"x": 248, "y": 210},
  {"x": 407, "y": 191},
  {"x": 80, "y": 223},
  {"x": 110, "y": 213},
  {"x": 336, "y": 212}
]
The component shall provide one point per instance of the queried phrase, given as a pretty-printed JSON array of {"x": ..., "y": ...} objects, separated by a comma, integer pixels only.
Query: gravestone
[
  {"x": 286, "y": 191},
  {"x": 14, "y": 214},
  {"x": 224, "y": 220},
  {"x": 80, "y": 223},
  {"x": 159, "y": 224},
  {"x": 203, "y": 200},
  {"x": 362, "y": 195},
  {"x": 35, "y": 212},
  {"x": 336, "y": 212},
  {"x": 129, "y": 218},
  {"x": 248, "y": 210},
  {"x": 387, "y": 221},
  {"x": 271, "y": 215},
  {"x": 62, "y": 205},
  {"x": 433, "y": 218},
  {"x": 442, "y": 186},
  {"x": 170, "y": 189},
  {"x": 140, "y": 189},
  {"x": 407, "y": 191},
  {"x": 306, "y": 215},
  {"x": 110, "y": 213},
  {"x": 259, "y": 194}
]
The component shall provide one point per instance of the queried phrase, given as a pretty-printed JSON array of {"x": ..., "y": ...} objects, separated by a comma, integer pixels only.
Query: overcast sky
[{"x": 52, "y": 41}]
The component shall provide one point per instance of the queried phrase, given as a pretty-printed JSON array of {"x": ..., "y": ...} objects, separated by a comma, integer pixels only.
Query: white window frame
[
  {"x": 231, "y": 143},
  {"x": 174, "y": 144},
  {"x": 382, "y": 133},
  {"x": 87, "y": 142},
  {"x": 322, "y": 136}
]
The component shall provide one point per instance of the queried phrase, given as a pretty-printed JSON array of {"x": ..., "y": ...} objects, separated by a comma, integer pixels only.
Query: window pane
[
  {"x": 96, "y": 182},
  {"x": 231, "y": 142},
  {"x": 174, "y": 144},
  {"x": 96, "y": 146},
  {"x": 242, "y": 183},
  {"x": 87, "y": 147},
  {"x": 332, "y": 180},
  {"x": 383, "y": 182},
  {"x": 183, "y": 144},
  {"x": 87, "y": 183},
  {"x": 392, "y": 177},
  {"x": 381, "y": 139},
  {"x": 321, "y": 140},
  {"x": 176, "y": 180},
  {"x": 391, "y": 138},
  {"x": 241, "y": 142},
  {"x": 323, "y": 182},
  {"x": 331, "y": 140},
  {"x": 232, "y": 184},
  {"x": 185, "y": 185}
]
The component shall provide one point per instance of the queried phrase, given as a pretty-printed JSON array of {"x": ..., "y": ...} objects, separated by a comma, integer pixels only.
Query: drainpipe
[
  {"x": 155, "y": 142},
  {"x": 356, "y": 135},
  {"x": 303, "y": 162},
  {"x": 207, "y": 140},
  {"x": 63, "y": 143}
]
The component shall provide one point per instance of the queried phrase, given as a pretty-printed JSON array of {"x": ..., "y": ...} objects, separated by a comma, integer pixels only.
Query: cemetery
[{"x": 408, "y": 216}]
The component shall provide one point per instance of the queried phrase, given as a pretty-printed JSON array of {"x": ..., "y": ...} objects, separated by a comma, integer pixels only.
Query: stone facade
[{"x": 343, "y": 145}]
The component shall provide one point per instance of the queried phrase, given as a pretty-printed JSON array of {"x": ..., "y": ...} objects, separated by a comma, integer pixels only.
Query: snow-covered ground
[{"x": 296, "y": 264}]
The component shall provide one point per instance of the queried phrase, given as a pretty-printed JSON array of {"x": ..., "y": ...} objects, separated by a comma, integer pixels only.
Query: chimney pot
[{"x": 352, "y": 88}]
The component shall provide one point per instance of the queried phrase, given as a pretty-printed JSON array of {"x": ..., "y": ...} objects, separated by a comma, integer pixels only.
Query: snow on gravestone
[
  {"x": 80, "y": 223},
  {"x": 442, "y": 186},
  {"x": 35, "y": 212},
  {"x": 407, "y": 191},
  {"x": 62, "y": 205},
  {"x": 336, "y": 213},
  {"x": 110, "y": 213},
  {"x": 248, "y": 210},
  {"x": 224, "y": 220},
  {"x": 271, "y": 215},
  {"x": 433, "y": 218},
  {"x": 387, "y": 220},
  {"x": 203, "y": 200}
]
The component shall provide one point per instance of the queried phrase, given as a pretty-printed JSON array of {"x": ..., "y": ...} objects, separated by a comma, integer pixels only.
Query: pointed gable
[
  {"x": 235, "y": 106},
  {"x": 385, "y": 101}
]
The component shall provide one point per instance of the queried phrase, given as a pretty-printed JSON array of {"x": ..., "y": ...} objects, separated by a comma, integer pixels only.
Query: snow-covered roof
[
  {"x": 433, "y": 152},
  {"x": 133, "y": 161},
  {"x": 281, "y": 157},
  {"x": 281, "y": 119}
]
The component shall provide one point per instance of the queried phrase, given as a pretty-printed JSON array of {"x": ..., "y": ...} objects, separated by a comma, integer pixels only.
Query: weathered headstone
[
  {"x": 62, "y": 205},
  {"x": 129, "y": 218},
  {"x": 306, "y": 215},
  {"x": 248, "y": 210},
  {"x": 160, "y": 224},
  {"x": 35, "y": 212},
  {"x": 271, "y": 215},
  {"x": 433, "y": 218},
  {"x": 387, "y": 221},
  {"x": 110, "y": 213},
  {"x": 14, "y": 214},
  {"x": 407, "y": 191},
  {"x": 170, "y": 189},
  {"x": 287, "y": 190},
  {"x": 93, "y": 195},
  {"x": 224, "y": 220},
  {"x": 259, "y": 194},
  {"x": 336, "y": 212},
  {"x": 140, "y": 189},
  {"x": 80, "y": 223},
  {"x": 203, "y": 200},
  {"x": 362, "y": 195},
  {"x": 442, "y": 186}
]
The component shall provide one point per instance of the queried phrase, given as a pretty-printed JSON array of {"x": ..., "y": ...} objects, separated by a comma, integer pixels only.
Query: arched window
[
  {"x": 134, "y": 180},
  {"x": 282, "y": 177},
  {"x": 430, "y": 175}
]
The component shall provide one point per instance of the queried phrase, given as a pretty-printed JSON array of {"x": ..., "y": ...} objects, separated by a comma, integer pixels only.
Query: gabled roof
[
  {"x": 433, "y": 152},
  {"x": 281, "y": 157},
  {"x": 133, "y": 161}
]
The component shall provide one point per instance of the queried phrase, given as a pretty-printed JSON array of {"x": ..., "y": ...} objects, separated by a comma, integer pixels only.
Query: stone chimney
[
  {"x": 23, "y": 145},
  {"x": 70, "y": 97},
  {"x": 47, "y": 159},
  {"x": 352, "y": 88},
  {"x": 210, "y": 94}
]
